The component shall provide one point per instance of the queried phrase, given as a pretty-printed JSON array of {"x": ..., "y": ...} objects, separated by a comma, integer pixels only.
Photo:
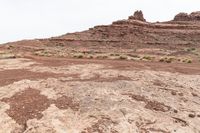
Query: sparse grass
[
  {"x": 78, "y": 56},
  {"x": 162, "y": 60},
  {"x": 87, "y": 52},
  {"x": 167, "y": 60},
  {"x": 2, "y": 52},
  {"x": 187, "y": 61},
  {"x": 147, "y": 57},
  {"x": 9, "y": 47},
  {"x": 102, "y": 57},
  {"x": 133, "y": 55},
  {"x": 114, "y": 54},
  {"x": 191, "y": 49},
  {"x": 90, "y": 57},
  {"x": 43, "y": 53},
  {"x": 7, "y": 56}
]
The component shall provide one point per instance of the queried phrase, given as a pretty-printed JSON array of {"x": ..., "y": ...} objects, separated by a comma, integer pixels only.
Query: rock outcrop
[
  {"x": 194, "y": 16},
  {"x": 182, "y": 17},
  {"x": 138, "y": 15}
]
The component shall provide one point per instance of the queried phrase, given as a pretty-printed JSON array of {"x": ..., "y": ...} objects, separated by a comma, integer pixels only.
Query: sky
[{"x": 30, "y": 19}]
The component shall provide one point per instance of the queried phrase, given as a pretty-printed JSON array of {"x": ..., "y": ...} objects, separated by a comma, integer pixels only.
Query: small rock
[
  {"x": 175, "y": 111},
  {"x": 180, "y": 94},
  {"x": 173, "y": 93},
  {"x": 191, "y": 115},
  {"x": 194, "y": 94}
]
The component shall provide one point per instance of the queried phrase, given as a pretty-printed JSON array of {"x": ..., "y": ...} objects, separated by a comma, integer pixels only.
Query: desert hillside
[{"x": 131, "y": 76}]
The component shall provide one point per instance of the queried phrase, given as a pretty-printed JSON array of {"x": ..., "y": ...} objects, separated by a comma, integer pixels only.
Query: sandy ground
[{"x": 56, "y": 95}]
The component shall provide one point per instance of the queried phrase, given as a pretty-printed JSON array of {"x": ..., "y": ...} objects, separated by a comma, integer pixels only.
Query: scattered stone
[
  {"x": 180, "y": 94},
  {"x": 191, "y": 115},
  {"x": 194, "y": 94},
  {"x": 173, "y": 93},
  {"x": 175, "y": 111}
]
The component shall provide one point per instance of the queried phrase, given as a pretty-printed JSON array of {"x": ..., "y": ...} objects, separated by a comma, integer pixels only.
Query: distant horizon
[{"x": 36, "y": 19}]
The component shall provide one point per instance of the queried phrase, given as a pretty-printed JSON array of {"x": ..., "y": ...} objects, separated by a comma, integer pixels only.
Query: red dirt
[
  {"x": 26, "y": 105},
  {"x": 30, "y": 104},
  {"x": 122, "y": 64},
  {"x": 9, "y": 76}
]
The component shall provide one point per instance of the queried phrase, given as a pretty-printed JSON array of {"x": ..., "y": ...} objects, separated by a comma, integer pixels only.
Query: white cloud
[{"x": 24, "y": 19}]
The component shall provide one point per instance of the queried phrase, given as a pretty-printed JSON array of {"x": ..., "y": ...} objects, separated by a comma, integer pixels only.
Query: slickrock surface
[{"x": 132, "y": 76}]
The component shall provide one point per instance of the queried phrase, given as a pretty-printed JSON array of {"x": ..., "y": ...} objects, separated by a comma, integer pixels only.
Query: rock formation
[
  {"x": 138, "y": 15},
  {"x": 182, "y": 17},
  {"x": 194, "y": 16}
]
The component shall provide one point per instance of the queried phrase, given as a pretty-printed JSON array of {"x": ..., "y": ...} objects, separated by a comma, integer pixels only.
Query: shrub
[
  {"x": 189, "y": 61},
  {"x": 78, "y": 56},
  {"x": 90, "y": 57},
  {"x": 191, "y": 49},
  {"x": 132, "y": 55},
  {"x": 112, "y": 54},
  {"x": 167, "y": 60},
  {"x": 162, "y": 60},
  {"x": 147, "y": 58},
  {"x": 102, "y": 57},
  {"x": 122, "y": 57}
]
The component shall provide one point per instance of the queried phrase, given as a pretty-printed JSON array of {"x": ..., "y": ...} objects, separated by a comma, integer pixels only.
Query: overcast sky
[{"x": 27, "y": 19}]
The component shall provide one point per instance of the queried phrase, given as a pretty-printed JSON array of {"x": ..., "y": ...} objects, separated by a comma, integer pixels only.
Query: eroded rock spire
[{"x": 138, "y": 15}]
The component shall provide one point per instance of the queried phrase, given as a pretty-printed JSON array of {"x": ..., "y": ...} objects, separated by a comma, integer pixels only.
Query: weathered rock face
[
  {"x": 138, "y": 15},
  {"x": 194, "y": 16},
  {"x": 182, "y": 17}
]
